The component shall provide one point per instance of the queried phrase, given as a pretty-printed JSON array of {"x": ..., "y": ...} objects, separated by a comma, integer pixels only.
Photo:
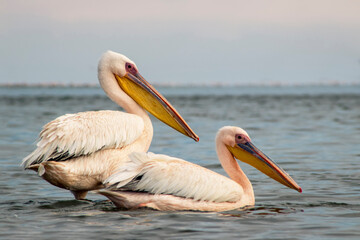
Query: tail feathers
[
  {"x": 37, "y": 156},
  {"x": 29, "y": 160},
  {"x": 34, "y": 167},
  {"x": 43, "y": 154},
  {"x": 39, "y": 168}
]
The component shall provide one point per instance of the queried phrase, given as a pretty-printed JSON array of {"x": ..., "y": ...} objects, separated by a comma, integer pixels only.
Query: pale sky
[{"x": 183, "y": 42}]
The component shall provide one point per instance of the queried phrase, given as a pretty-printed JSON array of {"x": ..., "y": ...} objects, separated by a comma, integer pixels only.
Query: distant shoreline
[
  {"x": 46, "y": 85},
  {"x": 96, "y": 85}
]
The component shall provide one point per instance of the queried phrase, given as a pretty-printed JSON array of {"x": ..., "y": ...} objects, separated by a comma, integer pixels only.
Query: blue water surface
[{"x": 313, "y": 132}]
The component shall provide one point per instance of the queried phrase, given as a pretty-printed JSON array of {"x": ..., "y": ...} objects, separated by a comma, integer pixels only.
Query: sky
[{"x": 235, "y": 42}]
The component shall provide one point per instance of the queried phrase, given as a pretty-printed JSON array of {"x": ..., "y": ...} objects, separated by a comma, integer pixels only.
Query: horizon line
[{"x": 272, "y": 84}]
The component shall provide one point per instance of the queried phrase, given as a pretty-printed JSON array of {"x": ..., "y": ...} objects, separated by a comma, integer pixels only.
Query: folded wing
[
  {"x": 75, "y": 135},
  {"x": 161, "y": 174}
]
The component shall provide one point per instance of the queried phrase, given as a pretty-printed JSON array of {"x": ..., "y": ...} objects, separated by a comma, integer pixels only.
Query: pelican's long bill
[
  {"x": 151, "y": 100},
  {"x": 250, "y": 154}
]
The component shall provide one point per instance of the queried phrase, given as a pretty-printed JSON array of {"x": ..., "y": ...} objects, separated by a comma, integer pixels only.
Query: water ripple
[{"x": 312, "y": 133}]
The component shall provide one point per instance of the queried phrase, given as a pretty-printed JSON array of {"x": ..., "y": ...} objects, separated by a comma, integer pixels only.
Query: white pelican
[
  {"x": 79, "y": 151},
  {"x": 165, "y": 183}
]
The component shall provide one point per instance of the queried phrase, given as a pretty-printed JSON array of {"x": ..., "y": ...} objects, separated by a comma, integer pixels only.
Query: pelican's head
[
  {"x": 239, "y": 144},
  {"x": 128, "y": 79}
]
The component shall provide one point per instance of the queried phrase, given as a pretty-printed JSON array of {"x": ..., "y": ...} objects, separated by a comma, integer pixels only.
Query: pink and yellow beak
[
  {"x": 147, "y": 97},
  {"x": 250, "y": 154}
]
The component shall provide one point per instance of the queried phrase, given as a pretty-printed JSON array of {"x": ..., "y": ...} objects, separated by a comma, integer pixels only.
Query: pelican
[
  {"x": 165, "y": 183},
  {"x": 79, "y": 151}
]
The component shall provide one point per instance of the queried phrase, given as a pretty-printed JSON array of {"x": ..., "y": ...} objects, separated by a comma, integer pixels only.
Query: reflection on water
[{"x": 313, "y": 133}]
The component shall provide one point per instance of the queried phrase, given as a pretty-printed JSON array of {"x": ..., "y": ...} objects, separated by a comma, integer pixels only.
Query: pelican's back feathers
[
  {"x": 161, "y": 174},
  {"x": 74, "y": 135}
]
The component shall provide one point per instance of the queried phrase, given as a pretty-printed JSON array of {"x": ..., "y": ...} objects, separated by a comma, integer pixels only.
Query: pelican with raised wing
[
  {"x": 165, "y": 183},
  {"x": 79, "y": 151}
]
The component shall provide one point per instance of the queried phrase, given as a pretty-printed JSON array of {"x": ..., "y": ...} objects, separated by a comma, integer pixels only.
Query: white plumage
[
  {"x": 81, "y": 134},
  {"x": 167, "y": 183},
  {"x": 79, "y": 151},
  {"x": 162, "y": 174}
]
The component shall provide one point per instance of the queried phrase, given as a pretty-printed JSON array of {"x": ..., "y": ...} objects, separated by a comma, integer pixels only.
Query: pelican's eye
[
  {"x": 130, "y": 68},
  {"x": 239, "y": 138}
]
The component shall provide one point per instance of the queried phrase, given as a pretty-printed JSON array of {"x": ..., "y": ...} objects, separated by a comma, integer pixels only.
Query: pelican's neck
[
  {"x": 112, "y": 89},
  {"x": 233, "y": 169},
  {"x": 126, "y": 102}
]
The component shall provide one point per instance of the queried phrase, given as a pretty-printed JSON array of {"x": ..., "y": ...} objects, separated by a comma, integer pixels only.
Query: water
[{"x": 311, "y": 132}]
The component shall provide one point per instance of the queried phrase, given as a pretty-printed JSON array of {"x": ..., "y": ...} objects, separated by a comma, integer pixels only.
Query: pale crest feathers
[
  {"x": 74, "y": 135},
  {"x": 226, "y": 135},
  {"x": 161, "y": 174},
  {"x": 114, "y": 62}
]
